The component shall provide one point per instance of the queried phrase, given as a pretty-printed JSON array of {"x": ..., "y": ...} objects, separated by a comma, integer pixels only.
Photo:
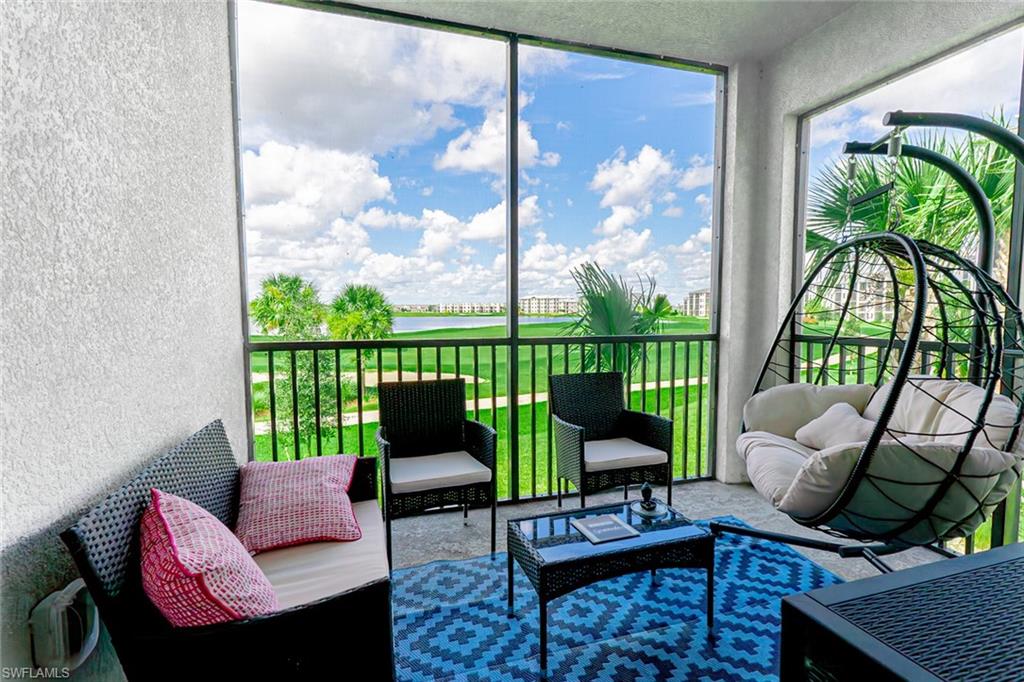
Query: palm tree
[
  {"x": 610, "y": 307},
  {"x": 360, "y": 312},
  {"x": 288, "y": 305},
  {"x": 933, "y": 206}
]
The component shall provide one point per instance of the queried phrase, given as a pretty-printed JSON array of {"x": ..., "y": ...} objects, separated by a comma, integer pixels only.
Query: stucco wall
[
  {"x": 121, "y": 330},
  {"x": 866, "y": 44}
]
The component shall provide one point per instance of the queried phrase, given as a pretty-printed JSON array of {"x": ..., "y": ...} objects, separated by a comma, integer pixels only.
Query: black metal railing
[
  {"x": 313, "y": 398},
  {"x": 857, "y": 360}
]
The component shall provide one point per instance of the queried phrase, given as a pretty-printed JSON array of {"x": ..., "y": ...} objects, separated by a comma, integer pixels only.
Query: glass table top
[{"x": 556, "y": 539}]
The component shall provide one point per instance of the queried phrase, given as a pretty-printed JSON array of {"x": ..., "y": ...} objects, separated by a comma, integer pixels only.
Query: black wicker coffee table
[{"x": 558, "y": 559}]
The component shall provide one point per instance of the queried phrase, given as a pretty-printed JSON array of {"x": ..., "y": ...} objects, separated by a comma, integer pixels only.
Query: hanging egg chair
[{"x": 889, "y": 407}]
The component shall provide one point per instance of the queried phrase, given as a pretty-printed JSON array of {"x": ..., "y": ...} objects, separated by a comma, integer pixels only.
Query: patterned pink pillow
[
  {"x": 292, "y": 503},
  {"x": 194, "y": 570}
]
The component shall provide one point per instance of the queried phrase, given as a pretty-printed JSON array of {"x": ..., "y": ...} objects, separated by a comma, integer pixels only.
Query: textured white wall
[
  {"x": 869, "y": 42},
  {"x": 121, "y": 330}
]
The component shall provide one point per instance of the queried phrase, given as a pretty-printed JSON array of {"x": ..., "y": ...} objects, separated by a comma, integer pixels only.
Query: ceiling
[{"x": 721, "y": 32}]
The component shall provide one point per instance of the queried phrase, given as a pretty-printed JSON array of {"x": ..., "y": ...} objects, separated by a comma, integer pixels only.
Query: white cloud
[
  {"x": 563, "y": 126},
  {"x": 629, "y": 186},
  {"x": 673, "y": 212},
  {"x": 297, "y": 190},
  {"x": 978, "y": 81},
  {"x": 482, "y": 149},
  {"x": 694, "y": 99},
  {"x": 703, "y": 202},
  {"x": 427, "y": 191},
  {"x": 667, "y": 197},
  {"x": 365, "y": 85},
  {"x": 601, "y": 75},
  {"x": 630, "y": 182},
  {"x": 699, "y": 173},
  {"x": 376, "y": 217}
]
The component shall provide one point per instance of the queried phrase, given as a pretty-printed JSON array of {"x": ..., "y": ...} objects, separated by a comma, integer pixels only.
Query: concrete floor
[{"x": 431, "y": 537}]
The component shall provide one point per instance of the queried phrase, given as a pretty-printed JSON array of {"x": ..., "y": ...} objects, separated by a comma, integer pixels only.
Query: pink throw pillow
[
  {"x": 194, "y": 570},
  {"x": 294, "y": 503}
]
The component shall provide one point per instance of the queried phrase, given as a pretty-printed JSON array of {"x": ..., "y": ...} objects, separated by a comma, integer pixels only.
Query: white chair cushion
[
  {"x": 784, "y": 409},
  {"x": 772, "y": 462},
  {"x": 919, "y": 466},
  {"x": 944, "y": 409},
  {"x": 840, "y": 424},
  {"x": 618, "y": 453},
  {"x": 430, "y": 472},
  {"x": 306, "y": 573}
]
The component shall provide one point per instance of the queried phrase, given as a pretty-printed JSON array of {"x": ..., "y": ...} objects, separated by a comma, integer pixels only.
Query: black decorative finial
[{"x": 645, "y": 493}]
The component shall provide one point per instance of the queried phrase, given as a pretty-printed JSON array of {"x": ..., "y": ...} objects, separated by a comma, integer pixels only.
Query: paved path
[{"x": 373, "y": 416}]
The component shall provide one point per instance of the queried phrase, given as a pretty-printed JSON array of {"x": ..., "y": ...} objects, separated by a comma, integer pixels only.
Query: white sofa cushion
[
  {"x": 784, "y": 409},
  {"x": 306, "y": 573},
  {"x": 430, "y": 472},
  {"x": 772, "y": 462},
  {"x": 618, "y": 453},
  {"x": 840, "y": 424}
]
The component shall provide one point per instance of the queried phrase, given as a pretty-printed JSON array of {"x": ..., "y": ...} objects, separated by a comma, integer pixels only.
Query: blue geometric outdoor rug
[{"x": 452, "y": 621}]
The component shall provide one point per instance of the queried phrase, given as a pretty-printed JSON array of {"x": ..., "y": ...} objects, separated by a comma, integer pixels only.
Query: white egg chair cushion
[
  {"x": 904, "y": 471},
  {"x": 772, "y": 462},
  {"x": 782, "y": 410}
]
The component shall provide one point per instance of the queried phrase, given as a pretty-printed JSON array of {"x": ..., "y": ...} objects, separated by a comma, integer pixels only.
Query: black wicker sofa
[{"x": 331, "y": 633}]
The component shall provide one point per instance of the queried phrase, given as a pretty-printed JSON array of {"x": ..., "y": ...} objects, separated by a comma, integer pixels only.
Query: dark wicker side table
[
  {"x": 955, "y": 619},
  {"x": 559, "y": 559}
]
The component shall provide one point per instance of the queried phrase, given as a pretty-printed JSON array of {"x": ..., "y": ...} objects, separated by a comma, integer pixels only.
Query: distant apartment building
[
  {"x": 549, "y": 305},
  {"x": 697, "y": 304},
  {"x": 470, "y": 308},
  {"x": 872, "y": 299},
  {"x": 415, "y": 307}
]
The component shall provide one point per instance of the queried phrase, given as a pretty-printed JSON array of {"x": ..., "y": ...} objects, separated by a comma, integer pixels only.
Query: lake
[{"x": 428, "y": 322}]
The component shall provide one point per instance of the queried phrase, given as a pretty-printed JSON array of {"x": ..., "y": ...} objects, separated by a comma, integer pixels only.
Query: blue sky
[{"x": 375, "y": 153}]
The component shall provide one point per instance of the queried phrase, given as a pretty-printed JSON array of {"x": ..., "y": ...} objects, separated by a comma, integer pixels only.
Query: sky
[
  {"x": 980, "y": 80},
  {"x": 375, "y": 153}
]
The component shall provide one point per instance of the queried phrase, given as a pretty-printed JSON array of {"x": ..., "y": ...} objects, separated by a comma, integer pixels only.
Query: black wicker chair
[
  {"x": 298, "y": 642},
  {"x": 433, "y": 456},
  {"x": 588, "y": 413}
]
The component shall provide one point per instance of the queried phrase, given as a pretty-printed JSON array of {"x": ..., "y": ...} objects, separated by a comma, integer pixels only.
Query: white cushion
[
  {"x": 943, "y": 410},
  {"x": 430, "y": 472},
  {"x": 306, "y": 573},
  {"x": 772, "y": 462},
  {"x": 618, "y": 453},
  {"x": 784, "y": 409},
  {"x": 918, "y": 468},
  {"x": 840, "y": 424}
]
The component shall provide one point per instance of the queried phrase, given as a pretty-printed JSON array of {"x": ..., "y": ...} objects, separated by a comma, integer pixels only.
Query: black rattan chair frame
[
  {"x": 591, "y": 406},
  {"x": 989, "y": 326},
  {"x": 426, "y": 418},
  {"x": 299, "y": 642}
]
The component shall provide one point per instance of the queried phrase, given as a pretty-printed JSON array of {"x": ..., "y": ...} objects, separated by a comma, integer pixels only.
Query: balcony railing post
[{"x": 295, "y": 408}]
